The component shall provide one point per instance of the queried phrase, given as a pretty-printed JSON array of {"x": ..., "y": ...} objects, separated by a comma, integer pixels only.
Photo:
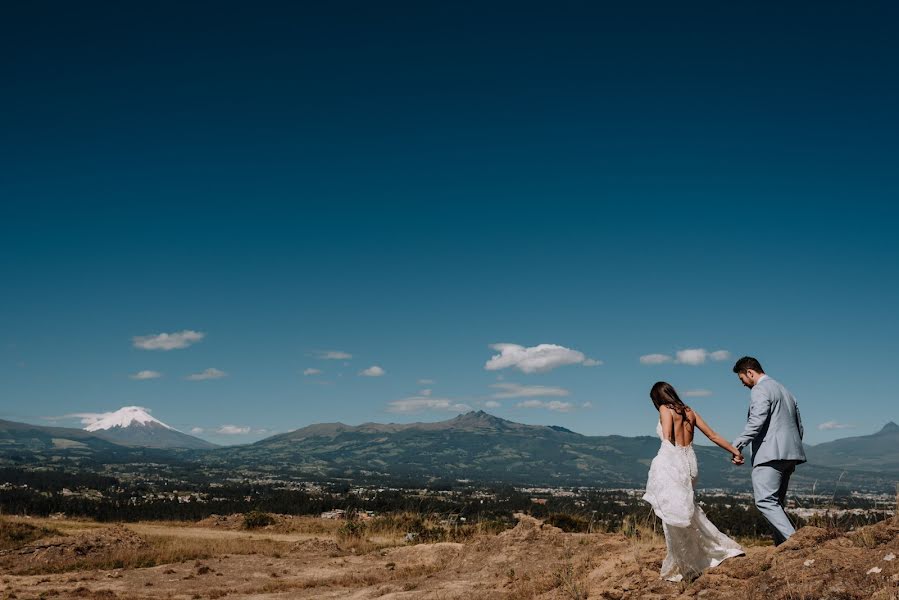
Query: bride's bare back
[
  {"x": 678, "y": 422},
  {"x": 678, "y": 428}
]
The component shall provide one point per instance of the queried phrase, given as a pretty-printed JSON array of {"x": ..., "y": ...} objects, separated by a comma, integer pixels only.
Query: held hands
[{"x": 737, "y": 459}]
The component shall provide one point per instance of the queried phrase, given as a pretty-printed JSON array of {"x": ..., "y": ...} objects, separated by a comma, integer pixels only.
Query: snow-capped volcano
[
  {"x": 125, "y": 417},
  {"x": 134, "y": 426}
]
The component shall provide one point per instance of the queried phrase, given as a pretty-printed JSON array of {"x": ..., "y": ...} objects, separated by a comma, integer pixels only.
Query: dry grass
[
  {"x": 643, "y": 531},
  {"x": 66, "y": 525},
  {"x": 307, "y": 525},
  {"x": 362, "y": 537},
  {"x": 572, "y": 580},
  {"x": 161, "y": 550},
  {"x": 17, "y": 532},
  {"x": 569, "y": 581},
  {"x": 168, "y": 549},
  {"x": 561, "y": 572},
  {"x": 361, "y": 545},
  {"x": 430, "y": 527},
  {"x": 286, "y": 524},
  {"x": 531, "y": 584}
]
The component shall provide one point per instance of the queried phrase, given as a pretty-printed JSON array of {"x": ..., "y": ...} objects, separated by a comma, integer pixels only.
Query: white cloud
[
  {"x": 312, "y": 372},
  {"x": 587, "y": 404},
  {"x": 87, "y": 418},
  {"x": 655, "y": 359},
  {"x": 420, "y": 403},
  {"x": 697, "y": 356},
  {"x": 232, "y": 430},
  {"x": 592, "y": 362},
  {"x": 207, "y": 374},
  {"x": 556, "y": 405},
  {"x": 535, "y": 359},
  {"x": 692, "y": 356},
  {"x": 146, "y": 375},
  {"x": 426, "y": 382},
  {"x": 167, "y": 341},
  {"x": 834, "y": 425},
  {"x": 696, "y": 393},
  {"x": 333, "y": 355},
  {"x": 197, "y": 430},
  {"x": 492, "y": 404},
  {"x": 689, "y": 356},
  {"x": 514, "y": 390},
  {"x": 372, "y": 371},
  {"x": 424, "y": 392}
]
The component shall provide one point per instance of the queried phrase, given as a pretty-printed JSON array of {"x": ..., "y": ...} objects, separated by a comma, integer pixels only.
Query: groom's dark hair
[{"x": 746, "y": 363}]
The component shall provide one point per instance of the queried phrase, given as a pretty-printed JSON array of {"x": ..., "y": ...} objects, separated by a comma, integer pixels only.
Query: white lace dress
[{"x": 694, "y": 544}]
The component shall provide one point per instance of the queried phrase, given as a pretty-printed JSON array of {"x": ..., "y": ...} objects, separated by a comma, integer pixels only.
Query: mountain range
[
  {"x": 876, "y": 452},
  {"x": 472, "y": 446}
]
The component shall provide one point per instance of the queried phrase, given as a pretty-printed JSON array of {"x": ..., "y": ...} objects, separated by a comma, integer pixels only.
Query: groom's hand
[{"x": 737, "y": 459}]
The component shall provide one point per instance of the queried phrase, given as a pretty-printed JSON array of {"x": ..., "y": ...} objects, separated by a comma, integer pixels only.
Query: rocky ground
[{"x": 216, "y": 559}]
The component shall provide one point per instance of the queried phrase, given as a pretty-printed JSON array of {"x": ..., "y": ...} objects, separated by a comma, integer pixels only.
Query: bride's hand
[{"x": 737, "y": 459}]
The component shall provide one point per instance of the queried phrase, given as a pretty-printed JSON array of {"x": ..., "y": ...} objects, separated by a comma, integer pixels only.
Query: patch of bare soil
[
  {"x": 813, "y": 564},
  {"x": 316, "y": 546},
  {"x": 530, "y": 561}
]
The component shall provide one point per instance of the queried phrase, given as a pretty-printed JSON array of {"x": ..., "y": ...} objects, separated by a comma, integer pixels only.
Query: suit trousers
[{"x": 769, "y": 485}]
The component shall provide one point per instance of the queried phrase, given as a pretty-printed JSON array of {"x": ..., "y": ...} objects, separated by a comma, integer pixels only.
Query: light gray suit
[{"x": 774, "y": 428}]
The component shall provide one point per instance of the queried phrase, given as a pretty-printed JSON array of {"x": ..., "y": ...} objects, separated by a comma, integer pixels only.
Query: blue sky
[{"x": 412, "y": 183}]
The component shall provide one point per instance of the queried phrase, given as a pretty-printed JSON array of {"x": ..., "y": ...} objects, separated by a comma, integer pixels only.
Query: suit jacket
[{"x": 773, "y": 425}]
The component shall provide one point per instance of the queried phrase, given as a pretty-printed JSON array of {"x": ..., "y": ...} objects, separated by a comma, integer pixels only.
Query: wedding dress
[{"x": 694, "y": 543}]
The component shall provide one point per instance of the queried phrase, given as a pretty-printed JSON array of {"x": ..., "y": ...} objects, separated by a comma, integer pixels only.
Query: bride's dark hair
[{"x": 663, "y": 393}]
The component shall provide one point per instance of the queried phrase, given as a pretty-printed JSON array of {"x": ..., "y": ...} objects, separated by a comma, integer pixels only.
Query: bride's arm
[
  {"x": 667, "y": 423},
  {"x": 713, "y": 436}
]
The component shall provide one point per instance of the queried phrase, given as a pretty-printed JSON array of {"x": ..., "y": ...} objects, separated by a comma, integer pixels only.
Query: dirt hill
[{"x": 531, "y": 560}]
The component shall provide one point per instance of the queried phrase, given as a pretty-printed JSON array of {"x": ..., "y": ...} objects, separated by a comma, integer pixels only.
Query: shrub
[
  {"x": 568, "y": 523},
  {"x": 256, "y": 519},
  {"x": 351, "y": 530}
]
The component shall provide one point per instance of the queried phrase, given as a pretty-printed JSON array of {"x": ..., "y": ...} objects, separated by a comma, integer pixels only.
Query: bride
[{"x": 694, "y": 544}]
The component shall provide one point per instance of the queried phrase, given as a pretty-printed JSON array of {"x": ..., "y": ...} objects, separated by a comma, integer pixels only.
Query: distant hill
[
  {"x": 33, "y": 445},
  {"x": 877, "y": 452},
  {"x": 474, "y": 445},
  {"x": 24, "y": 436},
  {"x": 23, "y": 444},
  {"x": 482, "y": 447}
]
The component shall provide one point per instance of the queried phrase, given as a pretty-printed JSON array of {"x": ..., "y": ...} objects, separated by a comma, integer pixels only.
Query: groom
[{"x": 775, "y": 430}]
